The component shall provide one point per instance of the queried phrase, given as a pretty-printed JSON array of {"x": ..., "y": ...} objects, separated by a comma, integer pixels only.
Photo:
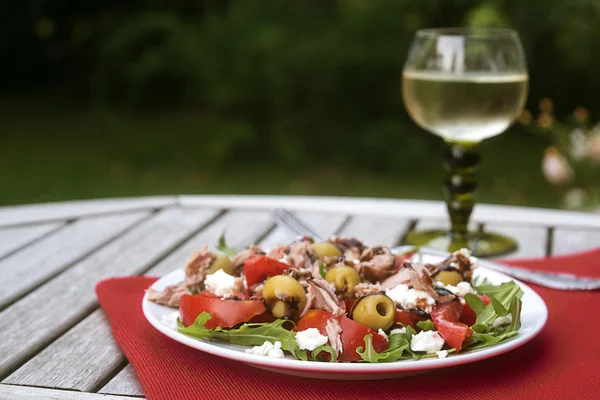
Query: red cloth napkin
[{"x": 561, "y": 363}]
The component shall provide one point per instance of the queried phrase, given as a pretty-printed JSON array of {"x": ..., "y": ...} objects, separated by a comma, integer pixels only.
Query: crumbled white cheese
[
  {"x": 467, "y": 253},
  {"x": 222, "y": 284},
  {"x": 464, "y": 288},
  {"x": 502, "y": 321},
  {"x": 267, "y": 349},
  {"x": 410, "y": 299},
  {"x": 310, "y": 339},
  {"x": 382, "y": 333},
  {"x": 170, "y": 320},
  {"x": 356, "y": 262},
  {"x": 283, "y": 259},
  {"x": 442, "y": 353},
  {"x": 427, "y": 341},
  {"x": 398, "y": 330},
  {"x": 461, "y": 289}
]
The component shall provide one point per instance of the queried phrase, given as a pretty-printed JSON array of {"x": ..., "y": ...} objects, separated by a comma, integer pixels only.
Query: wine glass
[{"x": 465, "y": 85}]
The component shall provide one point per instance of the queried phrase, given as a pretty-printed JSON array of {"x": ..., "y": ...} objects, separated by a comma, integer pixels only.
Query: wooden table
[{"x": 55, "y": 342}]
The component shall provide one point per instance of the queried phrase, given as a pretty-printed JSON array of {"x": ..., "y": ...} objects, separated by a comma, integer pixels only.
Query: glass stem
[{"x": 460, "y": 162}]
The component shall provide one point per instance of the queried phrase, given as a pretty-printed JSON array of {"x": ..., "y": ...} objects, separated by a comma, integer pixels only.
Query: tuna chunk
[
  {"x": 168, "y": 297},
  {"x": 376, "y": 264},
  {"x": 321, "y": 296}
]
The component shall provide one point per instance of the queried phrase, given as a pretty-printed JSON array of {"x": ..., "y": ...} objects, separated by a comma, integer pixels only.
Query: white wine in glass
[
  {"x": 464, "y": 85},
  {"x": 465, "y": 108}
]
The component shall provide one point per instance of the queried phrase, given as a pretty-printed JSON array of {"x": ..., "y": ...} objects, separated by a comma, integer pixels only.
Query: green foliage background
[{"x": 206, "y": 87}]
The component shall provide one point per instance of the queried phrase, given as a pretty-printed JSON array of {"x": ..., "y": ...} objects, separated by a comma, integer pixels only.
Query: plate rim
[{"x": 354, "y": 368}]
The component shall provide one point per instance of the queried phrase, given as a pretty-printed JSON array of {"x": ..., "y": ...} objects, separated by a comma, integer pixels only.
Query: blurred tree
[{"x": 296, "y": 79}]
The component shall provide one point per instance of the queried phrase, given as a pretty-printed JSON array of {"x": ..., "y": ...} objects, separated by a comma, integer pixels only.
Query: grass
[{"x": 53, "y": 151}]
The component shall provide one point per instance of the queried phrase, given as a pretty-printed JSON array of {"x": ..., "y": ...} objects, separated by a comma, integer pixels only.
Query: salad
[{"x": 340, "y": 301}]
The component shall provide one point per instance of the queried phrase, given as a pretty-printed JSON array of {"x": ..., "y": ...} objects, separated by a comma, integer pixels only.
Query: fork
[{"x": 559, "y": 281}]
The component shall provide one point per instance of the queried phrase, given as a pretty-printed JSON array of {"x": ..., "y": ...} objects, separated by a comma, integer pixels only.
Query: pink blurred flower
[
  {"x": 579, "y": 145},
  {"x": 593, "y": 145},
  {"x": 555, "y": 167}
]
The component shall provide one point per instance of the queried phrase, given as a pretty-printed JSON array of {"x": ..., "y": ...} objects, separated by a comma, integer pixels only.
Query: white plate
[{"x": 533, "y": 319}]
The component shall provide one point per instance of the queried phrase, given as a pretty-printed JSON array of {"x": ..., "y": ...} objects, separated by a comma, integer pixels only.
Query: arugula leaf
[
  {"x": 501, "y": 297},
  {"x": 426, "y": 325},
  {"x": 484, "y": 335},
  {"x": 398, "y": 348},
  {"x": 369, "y": 354},
  {"x": 504, "y": 293},
  {"x": 498, "y": 307},
  {"x": 249, "y": 334},
  {"x": 324, "y": 348},
  {"x": 222, "y": 246}
]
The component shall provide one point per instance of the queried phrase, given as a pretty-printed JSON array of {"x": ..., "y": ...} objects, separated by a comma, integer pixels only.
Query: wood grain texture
[
  {"x": 401, "y": 208},
  {"x": 13, "y": 238},
  {"x": 78, "y": 360},
  {"x": 567, "y": 241},
  {"x": 530, "y": 239},
  {"x": 9, "y": 392},
  {"x": 36, "y": 213},
  {"x": 125, "y": 383},
  {"x": 242, "y": 228},
  {"x": 373, "y": 230},
  {"x": 26, "y": 269},
  {"x": 69, "y": 297},
  {"x": 323, "y": 223}
]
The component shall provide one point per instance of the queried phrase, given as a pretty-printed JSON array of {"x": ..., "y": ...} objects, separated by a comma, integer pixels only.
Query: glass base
[{"x": 481, "y": 244}]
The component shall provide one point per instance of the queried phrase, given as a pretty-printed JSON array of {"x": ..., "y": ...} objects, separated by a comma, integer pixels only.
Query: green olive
[
  {"x": 326, "y": 249},
  {"x": 448, "y": 277},
  {"x": 284, "y": 296},
  {"x": 344, "y": 278},
  {"x": 221, "y": 262},
  {"x": 377, "y": 311}
]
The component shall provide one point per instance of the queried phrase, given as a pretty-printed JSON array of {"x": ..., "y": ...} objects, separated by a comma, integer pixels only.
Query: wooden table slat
[
  {"x": 566, "y": 241},
  {"x": 125, "y": 383},
  {"x": 10, "y": 392},
  {"x": 241, "y": 227},
  {"x": 26, "y": 269},
  {"x": 530, "y": 239},
  {"x": 14, "y": 238},
  {"x": 59, "y": 365},
  {"x": 324, "y": 224},
  {"x": 373, "y": 230},
  {"x": 37, "y": 213},
  {"x": 66, "y": 299},
  {"x": 78, "y": 360},
  {"x": 401, "y": 208}
]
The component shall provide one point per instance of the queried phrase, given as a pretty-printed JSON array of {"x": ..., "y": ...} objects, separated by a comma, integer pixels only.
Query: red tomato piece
[
  {"x": 406, "y": 318},
  {"x": 468, "y": 316},
  {"x": 349, "y": 303},
  {"x": 353, "y": 333},
  {"x": 445, "y": 319},
  {"x": 353, "y": 336},
  {"x": 225, "y": 313},
  {"x": 259, "y": 268},
  {"x": 314, "y": 319}
]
